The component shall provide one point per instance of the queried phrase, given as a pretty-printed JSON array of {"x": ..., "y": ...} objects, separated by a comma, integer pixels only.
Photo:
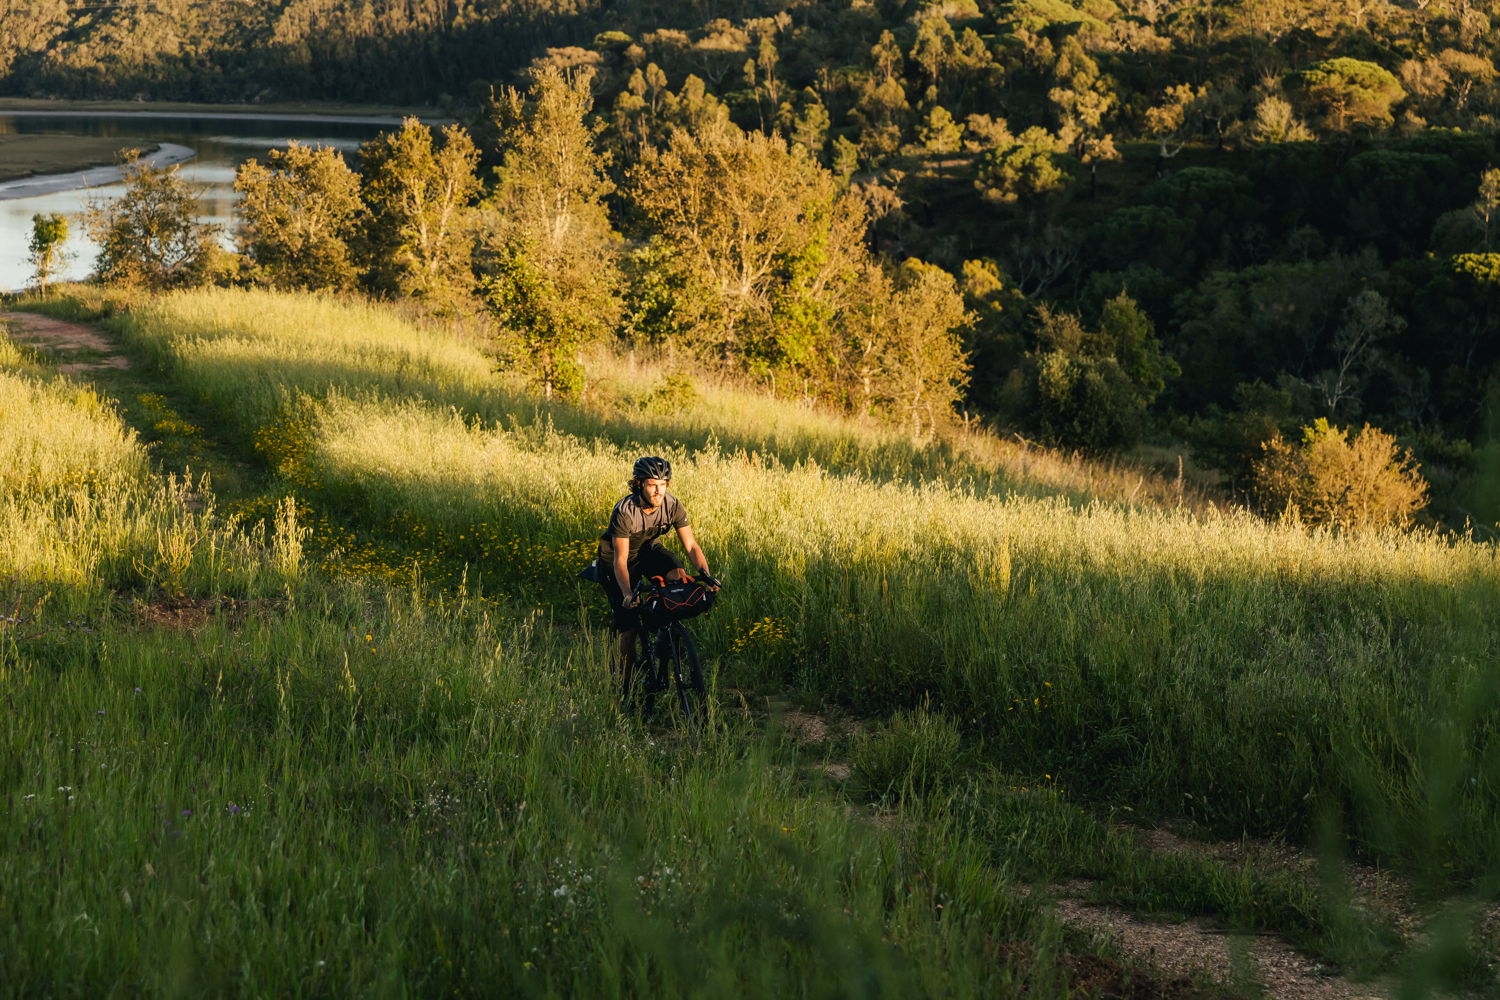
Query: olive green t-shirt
[{"x": 643, "y": 527}]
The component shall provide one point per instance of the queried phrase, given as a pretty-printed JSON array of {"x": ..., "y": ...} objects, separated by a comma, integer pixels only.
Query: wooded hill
[{"x": 1295, "y": 199}]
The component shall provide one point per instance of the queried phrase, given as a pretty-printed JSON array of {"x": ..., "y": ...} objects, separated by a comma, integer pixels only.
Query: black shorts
[{"x": 653, "y": 560}]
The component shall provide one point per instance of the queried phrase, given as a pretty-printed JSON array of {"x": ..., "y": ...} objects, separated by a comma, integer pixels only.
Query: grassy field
[
  {"x": 27, "y": 155},
  {"x": 388, "y": 759}
]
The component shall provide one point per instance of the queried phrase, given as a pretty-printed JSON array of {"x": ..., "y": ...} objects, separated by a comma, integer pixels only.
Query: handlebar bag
[{"x": 680, "y": 599}]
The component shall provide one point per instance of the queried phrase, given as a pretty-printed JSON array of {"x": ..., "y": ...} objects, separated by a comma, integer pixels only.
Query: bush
[
  {"x": 151, "y": 237},
  {"x": 1329, "y": 478},
  {"x": 918, "y": 754}
]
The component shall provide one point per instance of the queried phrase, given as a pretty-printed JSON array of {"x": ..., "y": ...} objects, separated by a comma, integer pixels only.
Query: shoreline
[
  {"x": 166, "y": 154},
  {"x": 363, "y": 114},
  {"x": 72, "y": 165}
]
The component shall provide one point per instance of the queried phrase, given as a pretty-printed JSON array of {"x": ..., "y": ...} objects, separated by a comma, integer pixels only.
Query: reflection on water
[{"x": 221, "y": 144}]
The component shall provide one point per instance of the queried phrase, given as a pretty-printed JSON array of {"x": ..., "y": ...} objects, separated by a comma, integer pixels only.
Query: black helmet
[{"x": 651, "y": 467}]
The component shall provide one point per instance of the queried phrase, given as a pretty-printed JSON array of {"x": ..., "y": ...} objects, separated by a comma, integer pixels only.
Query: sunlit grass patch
[
  {"x": 78, "y": 507},
  {"x": 56, "y": 436},
  {"x": 257, "y": 357}
]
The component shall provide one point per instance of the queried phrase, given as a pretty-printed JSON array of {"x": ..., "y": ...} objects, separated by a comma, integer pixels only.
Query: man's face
[{"x": 652, "y": 490}]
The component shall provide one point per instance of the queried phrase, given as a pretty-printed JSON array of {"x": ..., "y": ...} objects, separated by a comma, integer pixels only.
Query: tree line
[
  {"x": 731, "y": 249},
  {"x": 1211, "y": 222}
]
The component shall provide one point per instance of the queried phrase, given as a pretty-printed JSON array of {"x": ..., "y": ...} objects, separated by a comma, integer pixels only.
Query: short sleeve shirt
[{"x": 643, "y": 527}]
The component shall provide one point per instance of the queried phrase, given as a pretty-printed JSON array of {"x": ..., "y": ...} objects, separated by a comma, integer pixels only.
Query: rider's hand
[
  {"x": 629, "y": 602},
  {"x": 708, "y": 580}
]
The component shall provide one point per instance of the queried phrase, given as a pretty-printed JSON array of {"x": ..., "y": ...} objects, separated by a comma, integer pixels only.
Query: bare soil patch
[
  {"x": 1194, "y": 947},
  {"x": 1378, "y": 890},
  {"x": 1105, "y": 978},
  {"x": 188, "y": 614},
  {"x": 807, "y": 727},
  {"x": 62, "y": 337}
]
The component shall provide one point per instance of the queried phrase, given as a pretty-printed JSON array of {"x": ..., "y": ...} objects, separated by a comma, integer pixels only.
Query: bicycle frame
[{"x": 667, "y": 658}]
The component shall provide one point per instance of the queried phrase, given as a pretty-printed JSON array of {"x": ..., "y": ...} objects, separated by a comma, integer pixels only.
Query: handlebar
[{"x": 645, "y": 586}]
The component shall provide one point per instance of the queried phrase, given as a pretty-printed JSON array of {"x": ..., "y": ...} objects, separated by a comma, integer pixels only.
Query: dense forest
[{"x": 1213, "y": 222}]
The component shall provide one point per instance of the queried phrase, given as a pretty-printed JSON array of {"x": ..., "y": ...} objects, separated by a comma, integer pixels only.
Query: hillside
[
  {"x": 349, "y": 710},
  {"x": 1136, "y": 224}
]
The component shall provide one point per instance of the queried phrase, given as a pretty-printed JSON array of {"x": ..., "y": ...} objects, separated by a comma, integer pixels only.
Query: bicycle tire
[
  {"x": 647, "y": 678},
  {"x": 686, "y": 670}
]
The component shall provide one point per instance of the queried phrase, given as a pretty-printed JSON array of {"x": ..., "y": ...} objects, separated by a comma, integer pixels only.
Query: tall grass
[
  {"x": 356, "y": 790},
  {"x": 366, "y": 789},
  {"x": 55, "y": 435},
  {"x": 1256, "y": 676},
  {"x": 79, "y": 508},
  {"x": 257, "y": 355},
  {"x": 367, "y": 793}
]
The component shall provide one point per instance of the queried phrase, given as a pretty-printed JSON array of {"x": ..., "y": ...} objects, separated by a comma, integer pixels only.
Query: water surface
[{"x": 219, "y": 144}]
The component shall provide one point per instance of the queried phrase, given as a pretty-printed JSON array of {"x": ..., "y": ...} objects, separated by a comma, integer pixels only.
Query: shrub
[
  {"x": 918, "y": 754},
  {"x": 1330, "y": 478},
  {"x": 151, "y": 237}
]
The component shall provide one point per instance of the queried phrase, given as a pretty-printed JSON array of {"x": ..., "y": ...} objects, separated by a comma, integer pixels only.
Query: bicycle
[{"x": 666, "y": 653}]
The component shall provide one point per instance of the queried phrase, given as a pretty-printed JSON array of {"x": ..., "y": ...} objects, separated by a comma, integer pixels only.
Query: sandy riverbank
[
  {"x": 305, "y": 111},
  {"x": 165, "y": 154},
  {"x": 23, "y": 155}
]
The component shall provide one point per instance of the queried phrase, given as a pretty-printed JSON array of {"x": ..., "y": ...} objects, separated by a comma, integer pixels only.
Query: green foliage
[
  {"x": 919, "y": 753},
  {"x": 1359, "y": 483},
  {"x": 418, "y": 192},
  {"x": 765, "y": 240},
  {"x": 654, "y": 293},
  {"x": 1394, "y": 197},
  {"x": 1092, "y": 390},
  {"x": 939, "y": 133},
  {"x": 547, "y": 247},
  {"x": 1234, "y": 440},
  {"x": 548, "y": 332},
  {"x": 1349, "y": 91},
  {"x": 1037, "y": 164},
  {"x": 45, "y": 250},
  {"x": 150, "y": 237},
  {"x": 299, "y": 214}
]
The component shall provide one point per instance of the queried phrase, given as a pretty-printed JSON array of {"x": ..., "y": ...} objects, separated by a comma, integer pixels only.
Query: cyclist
[{"x": 630, "y": 548}]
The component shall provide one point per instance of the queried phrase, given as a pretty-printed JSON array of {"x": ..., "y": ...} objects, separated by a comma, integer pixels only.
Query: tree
[
  {"x": 1275, "y": 121},
  {"x": 1328, "y": 478},
  {"x": 1036, "y": 164},
  {"x": 1486, "y": 208},
  {"x": 923, "y": 363},
  {"x": 752, "y": 221},
  {"x": 1127, "y": 334},
  {"x": 1084, "y": 98},
  {"x": 48, "y": 234},
  {"x": 299, "y": 211},
  {"x": 150, "y": 237},
  {"x": 1368, "y": 319},
  {"x": 417, "y": 238},
  {"x": 939, "y": 133},
  {"x": 1091, "y": 389},
  {"x": 547, "y": 249},
  {"x": 1350, "y": 92}
]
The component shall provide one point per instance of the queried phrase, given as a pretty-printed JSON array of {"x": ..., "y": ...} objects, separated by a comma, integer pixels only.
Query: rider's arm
[
  {"x": 694, "y": 553},
  {"x": 622, "y": 567}
]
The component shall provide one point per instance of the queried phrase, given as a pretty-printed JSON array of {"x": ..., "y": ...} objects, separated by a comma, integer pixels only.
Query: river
[{"x": 214, "y": 146}]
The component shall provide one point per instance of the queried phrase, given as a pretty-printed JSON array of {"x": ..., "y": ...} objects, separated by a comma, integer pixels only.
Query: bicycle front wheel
[{"x": 687, "y": 674}]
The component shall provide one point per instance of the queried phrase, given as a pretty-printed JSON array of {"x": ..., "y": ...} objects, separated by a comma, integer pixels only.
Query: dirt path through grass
[
  {"x": 77, "y": 349},
  {"x": 179, "y": 433}
]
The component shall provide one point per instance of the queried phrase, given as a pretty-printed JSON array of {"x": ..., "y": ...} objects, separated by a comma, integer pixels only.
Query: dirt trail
[
  {"x": 1196, "y": 946},
  {"x": 63, "y": 339},
  {"x": 1175, "y": 949}
]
